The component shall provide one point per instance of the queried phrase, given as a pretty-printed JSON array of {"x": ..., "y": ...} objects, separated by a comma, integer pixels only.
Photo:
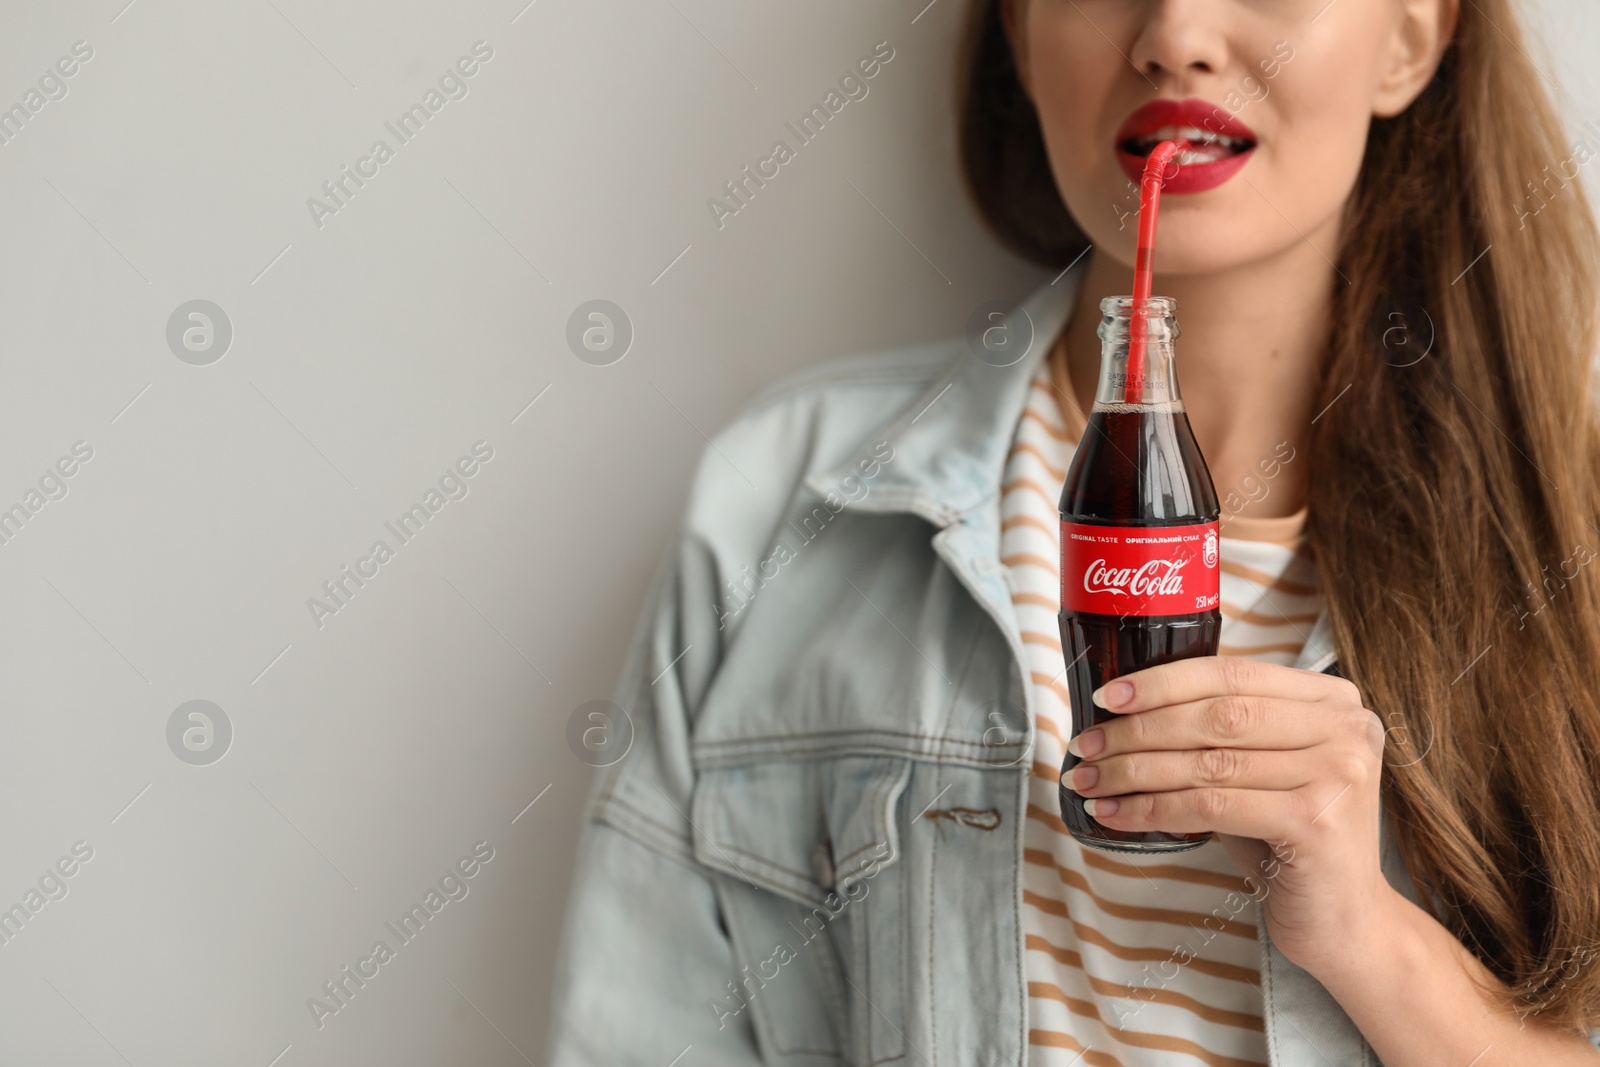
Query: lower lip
[{"x": 1192, "y": 178}]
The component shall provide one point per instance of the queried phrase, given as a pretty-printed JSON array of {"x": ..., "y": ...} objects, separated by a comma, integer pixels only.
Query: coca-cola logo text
[
  {"x": 1157, "y": 577},
  {"x": 1138, "y": 570}
]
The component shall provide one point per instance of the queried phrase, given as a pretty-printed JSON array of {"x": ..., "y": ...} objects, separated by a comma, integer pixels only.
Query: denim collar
[{"x": 950, "y": 444}]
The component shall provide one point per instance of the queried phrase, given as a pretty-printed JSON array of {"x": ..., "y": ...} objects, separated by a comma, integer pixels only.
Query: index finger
[{"x": 1203, "y": 677}]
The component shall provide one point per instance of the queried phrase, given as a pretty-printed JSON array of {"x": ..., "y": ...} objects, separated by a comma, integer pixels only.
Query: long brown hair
[{"x": 1455, "y": 497}]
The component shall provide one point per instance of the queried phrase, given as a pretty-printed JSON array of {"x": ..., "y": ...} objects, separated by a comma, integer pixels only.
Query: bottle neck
[{"x": 1152, "y": 384}]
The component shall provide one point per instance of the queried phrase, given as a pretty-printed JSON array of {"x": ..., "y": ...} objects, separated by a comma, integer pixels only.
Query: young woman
[{"x": 835, "y": 837}]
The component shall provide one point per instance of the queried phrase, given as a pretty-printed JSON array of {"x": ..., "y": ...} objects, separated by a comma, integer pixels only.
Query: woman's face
[{"x": 1293, "y": 84}]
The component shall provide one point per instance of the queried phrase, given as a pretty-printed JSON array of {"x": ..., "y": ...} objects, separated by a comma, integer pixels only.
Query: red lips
[{"x": 1200, "y": 114}]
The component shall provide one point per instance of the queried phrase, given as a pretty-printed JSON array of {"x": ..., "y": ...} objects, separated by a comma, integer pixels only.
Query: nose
[{"x": 1181, "y": 38}]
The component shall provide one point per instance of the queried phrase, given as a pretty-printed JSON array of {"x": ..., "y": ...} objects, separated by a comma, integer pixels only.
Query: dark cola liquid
[{"x": 1134, "y": 467}]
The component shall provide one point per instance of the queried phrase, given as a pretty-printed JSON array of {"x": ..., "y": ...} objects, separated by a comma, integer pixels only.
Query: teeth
[{"x": 1193, "y": 134}]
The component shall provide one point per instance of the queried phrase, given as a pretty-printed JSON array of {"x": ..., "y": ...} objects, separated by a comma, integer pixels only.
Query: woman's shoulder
[
  {"x": 809, "y": 422},
  {"x": 902, "y": 367},
  {"x": 861, "y": 384}
]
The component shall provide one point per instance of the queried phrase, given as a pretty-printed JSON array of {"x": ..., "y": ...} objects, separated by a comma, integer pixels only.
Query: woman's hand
[{"x": 1257, "y": 753}]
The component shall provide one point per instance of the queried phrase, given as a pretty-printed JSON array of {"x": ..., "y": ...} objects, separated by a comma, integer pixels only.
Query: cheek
[
  {"x": 1321, "y": 122},
  {"x": 1075, "y": 74},
  {"x": 1321, "y": 105}
]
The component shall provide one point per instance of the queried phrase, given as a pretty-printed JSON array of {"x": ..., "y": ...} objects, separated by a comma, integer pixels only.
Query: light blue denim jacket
[{"x": 811, "y": 854}]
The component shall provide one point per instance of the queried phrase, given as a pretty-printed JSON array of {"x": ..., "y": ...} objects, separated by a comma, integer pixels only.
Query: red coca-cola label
[{"x": 1139, "y": 570}]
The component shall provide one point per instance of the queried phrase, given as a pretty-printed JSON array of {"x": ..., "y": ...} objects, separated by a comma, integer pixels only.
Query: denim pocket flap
[{"x": 805, "y": 829}]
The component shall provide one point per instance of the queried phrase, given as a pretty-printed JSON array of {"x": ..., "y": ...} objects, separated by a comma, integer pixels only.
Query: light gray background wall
[{"x": 367, "y": 355}]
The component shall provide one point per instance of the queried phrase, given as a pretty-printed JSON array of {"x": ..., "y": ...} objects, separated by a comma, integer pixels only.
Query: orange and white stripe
[{"x": 1134, "y": 961}]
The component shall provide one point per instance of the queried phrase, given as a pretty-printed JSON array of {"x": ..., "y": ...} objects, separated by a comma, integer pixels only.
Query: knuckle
[
  {"x": 1359, "y": 724},
  {"x": 1353, "y": 768},
  {"x": 1375, "y": 733},
  {"x": 1129, "y": 772},
  {"x": 1309, "y": 810},
  {"x": 1109, "y": 783},
  {"x": 1218, "y": 765},
  {"x": 1138, "y": 729},
  {"x": 1148, "y": 806},
  {"x": 1209, "y": 804},
  {"x": 1230, "y": 718},
  {"x": 1239, "y": 673},
  {"x": 1346, "y": 691}
]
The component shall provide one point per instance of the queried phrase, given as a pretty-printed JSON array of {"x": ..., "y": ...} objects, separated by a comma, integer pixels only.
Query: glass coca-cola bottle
[{"x": 1139, "y": 566}]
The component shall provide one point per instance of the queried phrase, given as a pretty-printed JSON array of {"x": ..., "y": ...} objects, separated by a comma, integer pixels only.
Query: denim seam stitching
[
  {"x": 834, "y": 988},
  {"x": 906, "y": 1012},
  {"x": 942, "y": 738},
  {"x": 1270, "y": 1016},
  {"x": 933, "y": 882},
  {"x": 1016, "y": 918},
  {"x": 765, "y": 881},
  {"x": 768, "y": 754},
  {"x": 916, "y": 370},
  {"x": 878, "y": 803},
  {"x": 765, "y": 1032},
  {"x": 667, "y": 832},
  {"x": 895, "y": 777}
]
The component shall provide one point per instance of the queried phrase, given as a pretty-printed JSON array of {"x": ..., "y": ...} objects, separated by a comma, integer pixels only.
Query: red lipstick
[{"x": 1221, "y": 144}]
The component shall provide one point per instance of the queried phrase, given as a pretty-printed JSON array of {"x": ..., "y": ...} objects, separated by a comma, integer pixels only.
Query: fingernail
[
  {"x": 1112, "y": 694},
  {"x": 1088, "y": 744},
  {"x": 1100, "y": 806},
  {"x": 1085, "y": 776}
]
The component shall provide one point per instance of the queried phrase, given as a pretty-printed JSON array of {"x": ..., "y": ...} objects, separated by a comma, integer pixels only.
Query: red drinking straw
[{"x": 1149, "y": 201}]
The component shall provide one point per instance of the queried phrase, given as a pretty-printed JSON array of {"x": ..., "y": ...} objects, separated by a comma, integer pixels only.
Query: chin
[
  {"x": 1191, "y": 247},
  {"x": 1220, "y": 229}
]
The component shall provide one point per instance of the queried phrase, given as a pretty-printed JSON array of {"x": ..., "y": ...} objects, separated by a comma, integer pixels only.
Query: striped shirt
[{"x": 1135, "y": 961}]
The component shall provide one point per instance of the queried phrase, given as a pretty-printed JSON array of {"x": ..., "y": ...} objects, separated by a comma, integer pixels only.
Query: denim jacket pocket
[{"x": 811, "y": 895}]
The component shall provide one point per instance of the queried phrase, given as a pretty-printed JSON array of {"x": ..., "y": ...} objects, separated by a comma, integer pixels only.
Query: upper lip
[{"x": 1200, "y": 114}]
